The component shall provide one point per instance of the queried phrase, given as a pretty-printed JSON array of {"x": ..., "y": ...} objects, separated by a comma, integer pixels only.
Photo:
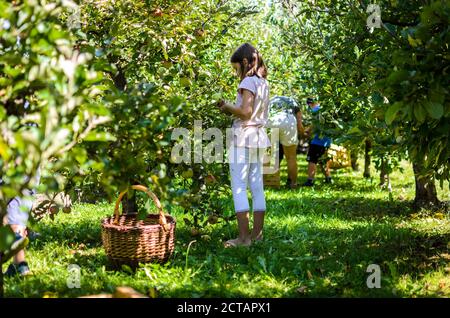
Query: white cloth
[
  {"x": 251, "y": 133},
  {"x": 246, "y": 171}
]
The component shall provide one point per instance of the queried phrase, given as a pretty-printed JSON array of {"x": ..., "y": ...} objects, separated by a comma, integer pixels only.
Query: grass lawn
[{"x": 318, "y": 243}]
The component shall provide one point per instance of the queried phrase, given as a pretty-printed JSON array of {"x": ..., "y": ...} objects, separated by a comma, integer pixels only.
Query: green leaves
[
  {"x": 6, "y": 238},
  {"x": 392, "y": 111},
  {"x": 414, "y": 42},
  {"x": 262, "y": 263},
  {"x": 406, "y": 64},
  {"x": 186, "y": 82},
  {"x": 435, "y": 110},
  {"x": 100, "y": 136},
  {"x": 357, "y": 52},
  {"x": 51, "y": 96},
  {"x": 398, "y": 76},
  {"x": 354, "y": 130},
  {"x": 420, "y": 112}
]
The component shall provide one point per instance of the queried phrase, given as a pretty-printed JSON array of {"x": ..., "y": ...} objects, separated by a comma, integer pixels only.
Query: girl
[{"x": 249, "y": 141}]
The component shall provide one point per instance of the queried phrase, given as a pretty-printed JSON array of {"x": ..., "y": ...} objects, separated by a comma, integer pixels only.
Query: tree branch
[
  {"x": 93, "y": 123},
  {"x": 390, "y": 20}
]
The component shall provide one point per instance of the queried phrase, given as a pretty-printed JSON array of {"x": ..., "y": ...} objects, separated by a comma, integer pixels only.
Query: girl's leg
[
  {"x": 258, "y": 225},
  {"x": 258, "y": 198},
  {"x": 244, "y": 230},
  {"x": 239, "y": 167}
]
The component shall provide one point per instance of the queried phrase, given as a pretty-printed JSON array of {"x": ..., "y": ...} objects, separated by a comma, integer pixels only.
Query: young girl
[{"x": 249, "y": 141}]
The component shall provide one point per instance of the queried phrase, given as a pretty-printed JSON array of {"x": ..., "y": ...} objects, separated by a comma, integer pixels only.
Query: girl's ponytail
[
  {"x": 261, "y": 69},
  {"x": 255, "y": 61}
]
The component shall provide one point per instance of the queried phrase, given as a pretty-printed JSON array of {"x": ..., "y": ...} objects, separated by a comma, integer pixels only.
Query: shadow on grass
[
  {"x": 84, "y": 232},
  {"x": 343, "y": 208},
  {"x": 333, "y": 261},
  {"x": 340, "y": 183},
  {"x": 329, "y": 261}
]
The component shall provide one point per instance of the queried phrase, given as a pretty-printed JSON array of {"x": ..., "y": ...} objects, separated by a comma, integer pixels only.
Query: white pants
[{"x": 246, "y": 171}]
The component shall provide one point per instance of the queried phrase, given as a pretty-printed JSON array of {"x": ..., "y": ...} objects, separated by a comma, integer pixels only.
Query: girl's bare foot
[{"x": 238, "y": 242}]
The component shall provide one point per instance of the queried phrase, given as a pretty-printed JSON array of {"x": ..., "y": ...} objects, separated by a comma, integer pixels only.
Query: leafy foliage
[
  {"x": 50, "y": 98},
  {"x": 388, "y": 85}
]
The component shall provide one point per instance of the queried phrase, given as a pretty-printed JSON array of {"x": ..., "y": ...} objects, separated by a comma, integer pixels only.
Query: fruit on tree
[
  {"x": 53, "y": 209},
  {"x": 184, "y": 81},
  {"x": 213, "y": 219},
  {"x": 187, "y": 174},
  {"x": 200, "y": 32},
  {"x": 210, "y": 179},
  {"x": 216, "y": 97},
  {"x": 158, "y": 12},
  {"x": 167, "y": 64}
]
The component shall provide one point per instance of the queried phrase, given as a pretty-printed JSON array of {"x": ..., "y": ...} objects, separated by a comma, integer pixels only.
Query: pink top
[{"x": 251, "y": 133}]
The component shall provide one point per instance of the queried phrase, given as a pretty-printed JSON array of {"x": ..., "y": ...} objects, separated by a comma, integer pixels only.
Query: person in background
[
  {"x": 17, "y": 214},
  {"x": 317, "y": 147},
  {"x": 285, "y": 115}
]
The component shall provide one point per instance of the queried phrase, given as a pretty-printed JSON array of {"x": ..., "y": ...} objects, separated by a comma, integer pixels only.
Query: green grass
[{"x": 318, "y": 243}]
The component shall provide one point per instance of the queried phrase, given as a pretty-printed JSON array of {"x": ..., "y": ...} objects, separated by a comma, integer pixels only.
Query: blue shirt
[{"x": 325, "y": 141}]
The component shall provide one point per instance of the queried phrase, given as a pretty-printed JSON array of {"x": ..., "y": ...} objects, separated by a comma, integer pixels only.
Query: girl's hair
[{"x": 256, "y": 64}]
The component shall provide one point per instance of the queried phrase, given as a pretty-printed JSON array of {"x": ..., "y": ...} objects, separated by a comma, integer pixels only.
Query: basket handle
[{"x": 162, "y": 218}]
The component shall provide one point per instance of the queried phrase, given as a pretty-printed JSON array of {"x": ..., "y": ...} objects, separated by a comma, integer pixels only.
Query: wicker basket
[
  {"x": 271, "y": 180},
  {"x": 130, "y": 241}
]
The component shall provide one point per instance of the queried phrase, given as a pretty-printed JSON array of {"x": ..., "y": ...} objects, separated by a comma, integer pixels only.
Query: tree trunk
[
  {"x": 129, "y": 204},
  {"x": 383, "y": 173},
  {"x": 426, "y": 194},
  {"x": 367, "y": 158},
  {"x": 354, "y": 160},
  {"x": 385, "y": 180}
]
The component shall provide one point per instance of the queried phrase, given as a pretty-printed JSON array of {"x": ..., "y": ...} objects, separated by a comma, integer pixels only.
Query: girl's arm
[{"x": 243, "y": 112}]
